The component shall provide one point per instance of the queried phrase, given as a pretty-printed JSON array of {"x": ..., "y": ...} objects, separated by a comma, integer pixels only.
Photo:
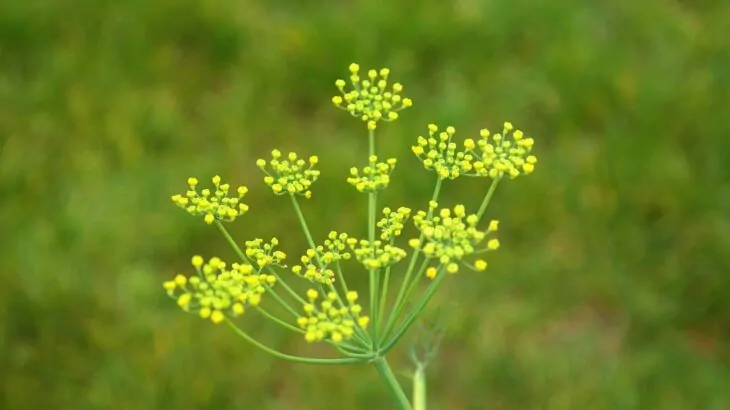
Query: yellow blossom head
[{"x": 370, "y": 98}]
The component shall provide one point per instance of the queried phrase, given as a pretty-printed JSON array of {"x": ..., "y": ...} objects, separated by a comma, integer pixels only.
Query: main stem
[
  {"x": 419, "y": 388},
  {"x": 373, "y": 273},
  {"x": 395, "y": 388}
]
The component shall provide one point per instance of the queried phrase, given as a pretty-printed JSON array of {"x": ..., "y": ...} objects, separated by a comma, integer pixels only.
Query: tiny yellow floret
[
  {"x": 217, "y": 316},
  {"x": 197, "y": 261},
  {"x": 363, "y": 321},
  {"x": 493, "y": 244}
]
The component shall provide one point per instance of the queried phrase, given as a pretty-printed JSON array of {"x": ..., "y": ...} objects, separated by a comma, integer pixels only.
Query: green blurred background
[{"x": 611, "y": 290}]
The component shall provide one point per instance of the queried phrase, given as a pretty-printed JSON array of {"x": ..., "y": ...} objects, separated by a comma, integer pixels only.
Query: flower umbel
[
  {"x": 290, "y": 174},
  {"x": 392, "y": 224},
  {"x": 311, "y": 270},
  {"x": 375, "y": 255},
  {"x": 218, "y": 292},
  {"x": 450, "y": 236},
  {"x": 216, "y": 205},
  {"x": 491, "y": 156},
  {"x": 370, "y": 99},
  {"x": 438, "y": 152},
  {"x": 334, "y": 248},
  {"x": 449, "y": 240},
  {"x": 263, "y": 254},
  {"x": 328, "y": 321},
  {"x": 502, "y": 153},
  {"x": 374, "y": 177}
]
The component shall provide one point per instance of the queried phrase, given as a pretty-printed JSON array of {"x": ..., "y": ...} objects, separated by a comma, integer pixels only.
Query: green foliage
[{"x": 610, "y": 289}]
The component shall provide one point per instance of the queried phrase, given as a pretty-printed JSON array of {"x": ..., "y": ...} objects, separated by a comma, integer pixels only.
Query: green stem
[
  {"x": 232, "y": 242},
  {"x": 310, "y": 240},
  {"x": 419, "y": 388},
  {"x": 488, "y": 197},
  {"x": 351, "y": 350},
  {"x": 360, "y": 335},
  {"x": 421, "y": 271},
  {"x": 281, "y": 301},
  {"x": 243, "y": 257},
  {"x": 284, "y": 356},
  {"x": 303, "y": 222},
  {"x": 384, "y": 295},
  {"x": 415, "y": 311},
  {"x": 373, "y": 273},
  {"x": 357, "y": 335},
  {"x": 279, "y": 321},
  {"x": 395, "y": 388},
  {"x": 400, "y": 299},
  {"x": 344, "y": 348},
  {"x": 291, "y": 291}
]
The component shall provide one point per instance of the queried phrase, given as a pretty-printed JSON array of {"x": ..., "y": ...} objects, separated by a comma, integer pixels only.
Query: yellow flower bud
[
  {"x": 217, "y": 316},
  {"x": 197, "y": 261},
  {"x": 493, "y": 244}
]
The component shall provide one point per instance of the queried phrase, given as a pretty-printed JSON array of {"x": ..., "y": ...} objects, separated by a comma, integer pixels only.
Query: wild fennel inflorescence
[{"x": 361, "y": 330}]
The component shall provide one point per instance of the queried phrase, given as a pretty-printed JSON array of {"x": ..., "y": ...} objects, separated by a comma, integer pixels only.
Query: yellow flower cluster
[
  {"x": 310, "y": 270},
  {"x": 375, "y": 176},
  {"x": 439, "y": 153},
  {"x": 491, "y": 156},
  {"x": 498, "y": 154},
  {"x": 329, "y": 321},
  {"x": 392, "y": 224},
  {"x": 334, "y": 248},
  {"x": 263, "y": 254},
  {"x": 370, "y": 99},
  {"x": 217, "y": 205},
  {"x": 290, "y": 174},
  {"x": 216, "y": 291},
  {"x": 450, "y": 236},
  {"x": 375, "y": 255}
]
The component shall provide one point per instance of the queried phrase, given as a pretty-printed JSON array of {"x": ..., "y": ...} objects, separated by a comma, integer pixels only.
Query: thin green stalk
[
  {"x": 281, "y": 301},
  {"x": 417, "y": 309},
  {"x": 291, "y": 291},
  {"x": 358, "y": 331},
  {"x": 419, "y": 388},
  {"x": 397, "y": 310},
  {"x": 384, "y": 295},
  {"x": 303, "y": 222},
  {"x": 399, "y": 300},
  {"x": 341, "y": 277},
  {"x": 232, "y": 242},
  {"x": 310, "y": 240},
  {"x": 373, "y": 273},
  {"x": 351, "y": 350},
  {"x": 244, "y": 258},
  {"x": 361, "y": 335},
  {"x": 393, "y": 385},
  {"x": 279, "y": 321},
  {"x": 284, "y": 356},
  {"x": 488, "y": 197}
]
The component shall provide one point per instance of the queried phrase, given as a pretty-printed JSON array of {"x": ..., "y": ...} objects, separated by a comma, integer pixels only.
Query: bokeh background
[{"x": 611, "y": 290}]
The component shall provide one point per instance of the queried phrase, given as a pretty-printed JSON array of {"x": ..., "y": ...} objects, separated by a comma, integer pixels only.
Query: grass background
[{"x": 611, "y": 290}]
